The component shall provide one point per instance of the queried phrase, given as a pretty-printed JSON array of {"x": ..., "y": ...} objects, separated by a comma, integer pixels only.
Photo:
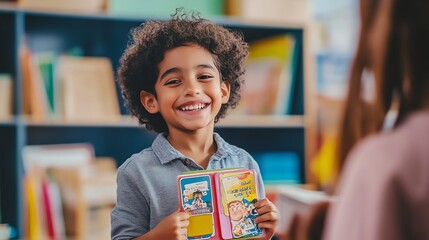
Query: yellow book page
[
  {"x": 248, "y": 175},
  {"x": 200, "y": 225}
]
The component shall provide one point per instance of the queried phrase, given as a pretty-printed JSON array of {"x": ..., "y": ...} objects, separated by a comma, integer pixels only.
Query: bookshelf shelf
[
  {"x": 263, "y": 121},
  {"x": 232, "y": 121},
  {"x": 7, "y": 122},
  {"x": 104, "y": 35}
]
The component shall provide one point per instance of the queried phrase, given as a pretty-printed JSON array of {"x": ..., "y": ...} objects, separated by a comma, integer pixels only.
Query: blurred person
[{"x": 383, "y": 189}]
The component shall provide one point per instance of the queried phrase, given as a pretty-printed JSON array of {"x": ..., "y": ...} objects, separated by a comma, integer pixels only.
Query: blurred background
[{"x": 64, "y": 129}]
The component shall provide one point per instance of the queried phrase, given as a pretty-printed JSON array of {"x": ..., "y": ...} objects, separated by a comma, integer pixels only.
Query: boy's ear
[
  {"x": 225, "y": 88},
  {"x": 149, "y": 102}
]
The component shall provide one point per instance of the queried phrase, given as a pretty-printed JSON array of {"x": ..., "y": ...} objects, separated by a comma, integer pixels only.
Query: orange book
[{"x": 35, "y": 101}]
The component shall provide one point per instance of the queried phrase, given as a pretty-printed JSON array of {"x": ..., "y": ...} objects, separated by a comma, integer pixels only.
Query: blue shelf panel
[{"x": 9, "y": 198}]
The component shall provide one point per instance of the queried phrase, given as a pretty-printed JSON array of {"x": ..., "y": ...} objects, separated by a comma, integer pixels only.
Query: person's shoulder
[
  {"x": 373, "y": 152},
  {"x": 239, "y": 150},
  {"x": 232, "y": 149},
  {"x": 396, "y": 144},
  {"x": 387, "y": 154},
  {"x": 144, "y": 158}
]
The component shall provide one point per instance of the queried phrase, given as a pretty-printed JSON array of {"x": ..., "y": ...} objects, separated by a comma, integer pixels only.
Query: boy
[
  {"x": 198, "y": 200},
  {"x": 178, "y": 78}
]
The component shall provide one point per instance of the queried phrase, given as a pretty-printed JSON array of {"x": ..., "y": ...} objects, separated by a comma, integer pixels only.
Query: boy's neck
[{"x": 199, "y": 145}]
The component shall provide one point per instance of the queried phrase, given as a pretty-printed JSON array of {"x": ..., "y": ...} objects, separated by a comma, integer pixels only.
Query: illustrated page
[
  {"x": 240, "y": 195},
  {"x": 197, "y": 199}
]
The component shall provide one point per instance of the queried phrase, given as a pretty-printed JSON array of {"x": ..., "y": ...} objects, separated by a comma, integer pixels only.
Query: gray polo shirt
[{"x": 147, "y": 183}]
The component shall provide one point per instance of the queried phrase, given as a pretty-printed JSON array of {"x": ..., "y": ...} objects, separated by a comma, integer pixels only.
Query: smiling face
[
  {"x": 237, "y": 210},
  {"x": 189, "y": 90}
]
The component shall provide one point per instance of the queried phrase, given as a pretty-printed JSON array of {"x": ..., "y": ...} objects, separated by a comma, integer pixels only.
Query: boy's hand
[
  {"x": 268, "y": 217},
  {"x": 174, "y": 226}
]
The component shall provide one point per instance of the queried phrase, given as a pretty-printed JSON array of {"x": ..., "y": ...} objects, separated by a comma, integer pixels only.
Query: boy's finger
[
  {"x": 183, "y": 215},
  {"x": 267, "y": 224},
  {"x": 267, "y": 216},
  {"x": 267, "y": 208},
  {"x": 184, "y": 224},
  {"x": 262, "y": 202}
]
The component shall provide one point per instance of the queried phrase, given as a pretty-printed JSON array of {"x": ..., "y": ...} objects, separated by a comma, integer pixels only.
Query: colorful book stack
[{"x": 221, "y": 203}]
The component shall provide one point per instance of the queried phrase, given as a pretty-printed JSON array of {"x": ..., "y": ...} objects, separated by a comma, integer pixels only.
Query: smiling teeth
[{"x": 194, "y": 107}]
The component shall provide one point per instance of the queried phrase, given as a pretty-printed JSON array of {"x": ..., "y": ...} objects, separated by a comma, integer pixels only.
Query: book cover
[
  {"x": 88, "y": 89},
  {"x": 240, "y": 195},
  {"x": 220, "y": 203},
  {"x": 35, "y": 102},
  {"x": 45, "y": 61},
  {"x": 270, "y": 76},
  {"x": 6, "y": 96}
]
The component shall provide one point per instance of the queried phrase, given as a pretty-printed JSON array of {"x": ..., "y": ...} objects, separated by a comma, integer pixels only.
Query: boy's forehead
[{"x": 185, "y": 58}]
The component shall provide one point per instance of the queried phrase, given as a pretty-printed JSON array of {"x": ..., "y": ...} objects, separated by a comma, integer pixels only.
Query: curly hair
[{"x": 138, "y": 66}]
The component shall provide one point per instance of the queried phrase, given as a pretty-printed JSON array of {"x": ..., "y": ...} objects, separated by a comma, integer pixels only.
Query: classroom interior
[{"x": 64, "y": 129}]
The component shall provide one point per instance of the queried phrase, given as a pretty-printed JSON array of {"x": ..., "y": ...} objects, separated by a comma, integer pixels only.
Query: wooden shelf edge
[{"x": 292, "y": 121}]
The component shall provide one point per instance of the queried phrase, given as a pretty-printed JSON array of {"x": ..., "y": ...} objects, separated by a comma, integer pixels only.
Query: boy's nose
[{"x": 192, "y": 88}]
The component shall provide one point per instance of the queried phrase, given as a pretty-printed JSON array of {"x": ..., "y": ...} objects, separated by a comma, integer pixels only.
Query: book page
[
  {"x": 240, "y": 192},
  {"x": 196, "y": 198}
]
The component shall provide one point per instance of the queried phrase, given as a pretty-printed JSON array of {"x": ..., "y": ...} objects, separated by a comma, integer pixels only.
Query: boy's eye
[
  {"x": 205, "y": 76},
  {"x": 172, "y": 82}
]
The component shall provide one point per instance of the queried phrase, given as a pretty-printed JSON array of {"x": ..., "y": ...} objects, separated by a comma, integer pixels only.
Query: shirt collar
[{"x": 167, "y": 153}]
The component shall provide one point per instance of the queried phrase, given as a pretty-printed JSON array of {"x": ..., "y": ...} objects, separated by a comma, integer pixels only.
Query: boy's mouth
[{"x": 193, "y": 107}]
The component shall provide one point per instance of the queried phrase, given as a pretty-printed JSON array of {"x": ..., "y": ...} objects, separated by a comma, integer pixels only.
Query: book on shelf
[
  {"x": 65, "y": 5},
  {"x": 35, "y": 100},
  {"x": 220, "y": 203},
  {"x": 270, "y": 76},
  {"x": 45, "y": 62},
  {"x": 88, "y": 88},
  {"x": 6, "y": 96},
  {"x": 7, "y": 231},
  {"x": 57, "y": 155},
  {"x": 294, "y": 200},
  {"x": 279, "y": 167},
  {"x": 68, "y": 192},
  {"x": 68, "y": 87}
]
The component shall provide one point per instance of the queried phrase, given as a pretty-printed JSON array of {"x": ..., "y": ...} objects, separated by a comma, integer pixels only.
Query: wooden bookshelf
[{"x": 103, "y": 35}]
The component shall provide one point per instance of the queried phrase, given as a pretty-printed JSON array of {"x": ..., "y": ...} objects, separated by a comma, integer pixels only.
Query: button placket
[{"x": 187, "y": 162}]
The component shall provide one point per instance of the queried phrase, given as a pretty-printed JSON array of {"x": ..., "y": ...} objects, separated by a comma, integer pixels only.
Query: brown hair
[
  {"x": 138, "y": 66},
  {"x": 400, "y": 66}
]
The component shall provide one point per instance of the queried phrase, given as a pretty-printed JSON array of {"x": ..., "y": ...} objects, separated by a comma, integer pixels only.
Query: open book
[{"x": 221, "y": 203}]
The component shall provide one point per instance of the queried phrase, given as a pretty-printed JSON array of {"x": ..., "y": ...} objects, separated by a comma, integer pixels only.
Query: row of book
[
  {"x": 63, "y": 87},
  {"x": 68, "y": 192},
  {"x": 279, "y": 10},
  {"x": 68, "y": 87}
]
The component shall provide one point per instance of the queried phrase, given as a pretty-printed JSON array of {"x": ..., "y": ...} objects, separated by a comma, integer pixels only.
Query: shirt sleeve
[
  {"x": 369, "y": 202},
  {"x": 130, "y": 216}
]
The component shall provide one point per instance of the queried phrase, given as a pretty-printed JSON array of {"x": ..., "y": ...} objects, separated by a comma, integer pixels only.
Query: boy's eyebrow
[
  {"x": 176, "y": 69},
  {"x": 205, "y": 66},
  {"x": 168, "y": 71}
]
